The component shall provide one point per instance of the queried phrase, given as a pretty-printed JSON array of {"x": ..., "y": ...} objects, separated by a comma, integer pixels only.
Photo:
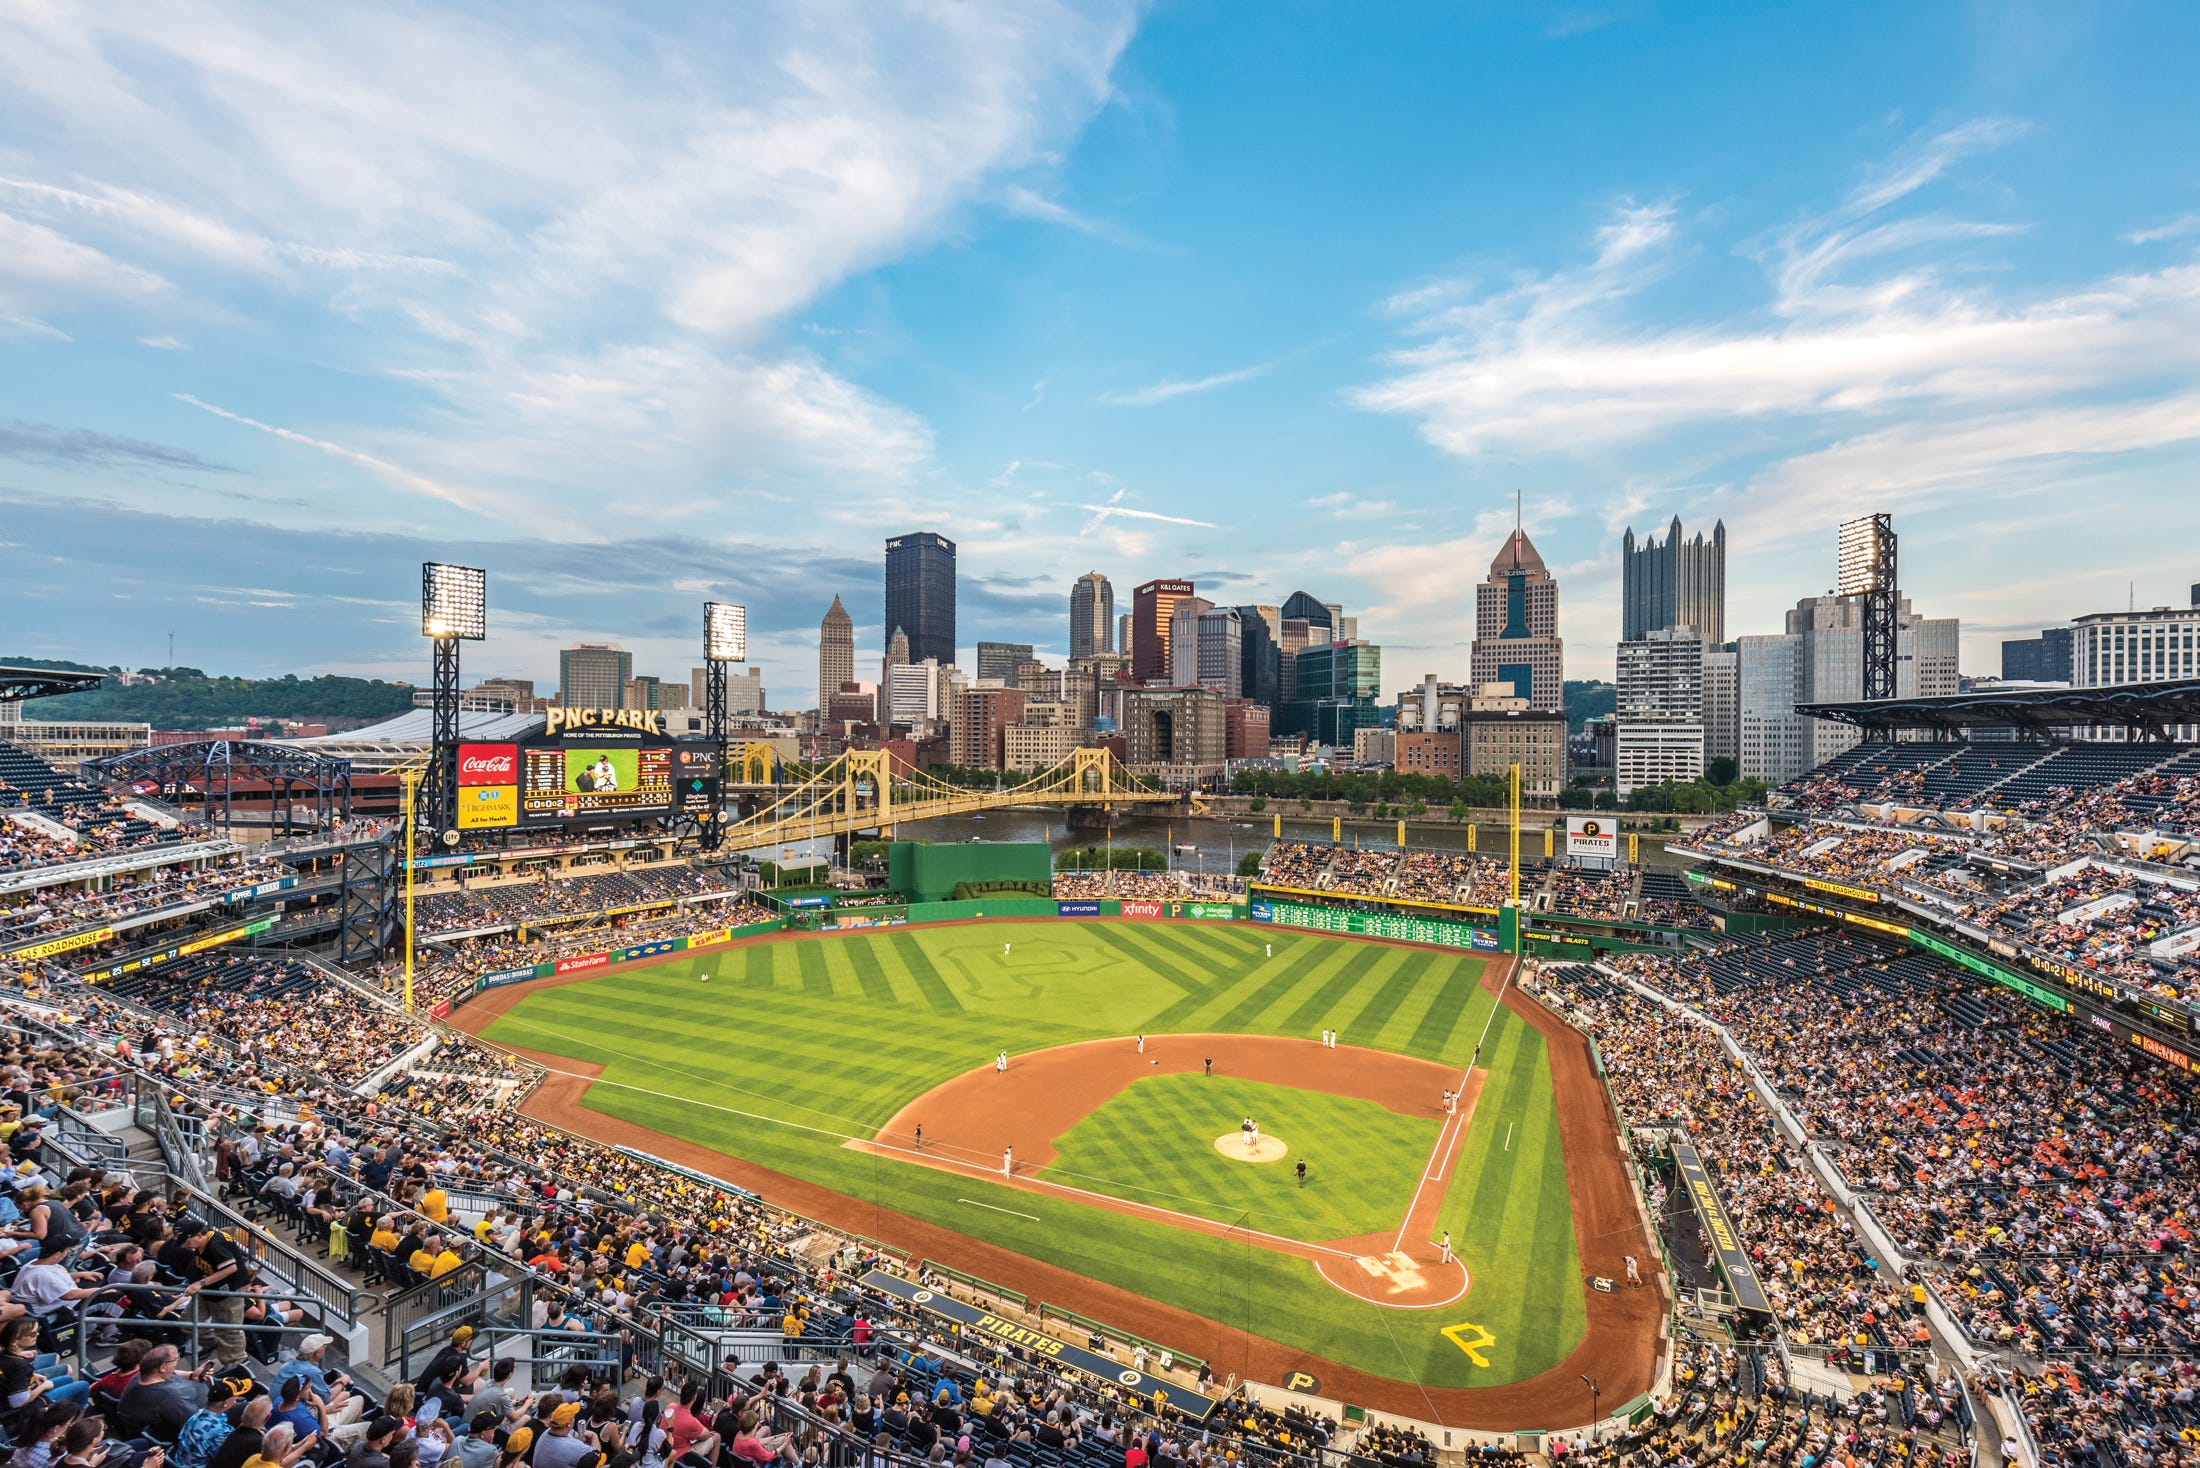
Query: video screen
[{"x": 574, "y": 783}]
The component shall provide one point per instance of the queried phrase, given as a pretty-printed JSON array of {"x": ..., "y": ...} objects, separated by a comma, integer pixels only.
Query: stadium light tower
[
  {"x": 454, "y": 608},
  {"x": 1866, "y": 568},
  {"x": 725, "y": 640}
]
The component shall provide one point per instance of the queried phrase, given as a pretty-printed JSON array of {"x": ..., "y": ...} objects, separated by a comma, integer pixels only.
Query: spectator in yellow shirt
[
  {"x": 436, "y": 1204},
  {"x": 445, "y": 1262}
]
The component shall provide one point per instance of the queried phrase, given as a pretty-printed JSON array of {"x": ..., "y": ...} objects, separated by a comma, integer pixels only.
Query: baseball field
[{"x": 1107, "y": 1166}]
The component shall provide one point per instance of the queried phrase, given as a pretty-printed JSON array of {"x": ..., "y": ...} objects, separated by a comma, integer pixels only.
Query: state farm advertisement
[
  {"x": 586, "y": 960},
  {"x": 488, "y": 764}
]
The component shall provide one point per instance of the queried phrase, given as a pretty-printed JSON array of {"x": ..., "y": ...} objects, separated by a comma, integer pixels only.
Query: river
[{"x": 1218, "y": 842}]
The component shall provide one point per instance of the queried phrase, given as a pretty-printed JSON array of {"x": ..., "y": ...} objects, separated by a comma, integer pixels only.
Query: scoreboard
[{"x": 598, "y": 782}]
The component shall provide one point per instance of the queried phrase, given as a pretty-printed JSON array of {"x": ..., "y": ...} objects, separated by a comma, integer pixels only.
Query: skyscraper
[
  {"x": 836, "y": 651},
  {"x": 1260, "y": 675},
  {"x": 897, "y": 656},
  {"x": 594, "y": 675},
  {"x": 998, "y": 660},
  {"x": 920, "y": 594},
  {"x": 1516, "y": 626},
  {"x": 1091, "y": 616},
  {"x": 1674, "y": 583},
  {"x": 1123, "y": 635},
  {"x": 1152, "y": 605}
]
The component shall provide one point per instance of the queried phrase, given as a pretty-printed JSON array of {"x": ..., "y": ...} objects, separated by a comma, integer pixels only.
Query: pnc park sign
[{"x": 575, "y": 721}]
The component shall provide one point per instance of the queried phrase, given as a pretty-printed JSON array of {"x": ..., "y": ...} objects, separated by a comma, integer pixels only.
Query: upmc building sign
[{"x": 488, "y": 779}]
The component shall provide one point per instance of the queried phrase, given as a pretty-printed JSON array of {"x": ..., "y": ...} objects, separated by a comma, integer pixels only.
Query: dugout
[{"x": 930, "y": 872}]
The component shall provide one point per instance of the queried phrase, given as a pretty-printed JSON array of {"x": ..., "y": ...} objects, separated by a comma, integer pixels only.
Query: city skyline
[{"x": 246, "y": 400}]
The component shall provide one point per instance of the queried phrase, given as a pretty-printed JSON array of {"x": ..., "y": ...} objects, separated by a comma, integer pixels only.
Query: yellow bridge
[{"x": 859, "y": 791}]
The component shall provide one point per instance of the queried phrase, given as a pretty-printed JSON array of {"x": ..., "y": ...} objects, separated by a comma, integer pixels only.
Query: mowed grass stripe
[
  {"x": 1130, "y": 945},
  {"x": 929, "y": 983},
  {"x": 809, "y": 957},
  {"x": 1399, "y": 971},
  {"x": 871, "y": 974},
  {"x": 1447, "y": 1001},
  {"x": 1273, "y": 993},
  {"x": 1255, "y": 973},
  {"x": 1320, "y": 1007}
]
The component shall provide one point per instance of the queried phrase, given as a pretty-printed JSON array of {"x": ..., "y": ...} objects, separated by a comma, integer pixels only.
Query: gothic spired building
[
  {"x": 1676, "y": 583},
  {"x": 1516, "y": 626}
]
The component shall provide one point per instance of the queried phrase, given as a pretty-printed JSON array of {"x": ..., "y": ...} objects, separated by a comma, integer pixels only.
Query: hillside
[{"x": 186, "y": 698}]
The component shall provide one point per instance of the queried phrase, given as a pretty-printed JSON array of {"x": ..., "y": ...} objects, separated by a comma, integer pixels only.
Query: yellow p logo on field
[{"x": 1302, "y": 1381}]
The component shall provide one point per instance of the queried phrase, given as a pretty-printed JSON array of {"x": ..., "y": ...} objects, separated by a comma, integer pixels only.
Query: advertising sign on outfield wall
[
  {"x": 1224, "y": 910},
  {"x": 648, "y": 950},
  {"x": 505, "y": 976},
  {"x": 1375, "y": 925},
  {"x": 585, "y": 960},
  {"x": 1142, "y": 909},
  {"x": 1077, "y": 909}
]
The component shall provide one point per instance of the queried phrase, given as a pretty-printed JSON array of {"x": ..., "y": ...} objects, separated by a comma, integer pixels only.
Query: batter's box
[{"x": 1398, "y": 1268}]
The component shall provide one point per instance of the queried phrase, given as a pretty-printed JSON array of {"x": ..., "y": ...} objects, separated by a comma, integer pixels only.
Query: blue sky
[{"x": 1275, "y": 296}]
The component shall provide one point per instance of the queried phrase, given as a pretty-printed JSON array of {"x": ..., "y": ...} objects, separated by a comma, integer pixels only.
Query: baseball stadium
[{"x": 677, "y": 1070}]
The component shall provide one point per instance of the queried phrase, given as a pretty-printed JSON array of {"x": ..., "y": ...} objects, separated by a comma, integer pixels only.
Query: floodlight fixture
[
  {"x": 453, "y": 602},
  {"x": 725, "y": 632},
  {"x": 1865, "y": 545}
]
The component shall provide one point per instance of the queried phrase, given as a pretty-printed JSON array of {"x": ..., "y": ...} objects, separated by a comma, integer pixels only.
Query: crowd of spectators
[
  {"x": 1297, "y": 863},
  {"x": 1590, "y": 894},
  {"x": 67, "y": 907},
  {"x": 1825, "y": 1289},
  {"x": 444, "y": 969},
  {"x": 1139, "y": 886},
  {"x": 484, "y": 904},
  {"x": 2058, "y": 919},
  {"x": 1362, "y": 872},
  {"x": 2035, "y": 1175}
]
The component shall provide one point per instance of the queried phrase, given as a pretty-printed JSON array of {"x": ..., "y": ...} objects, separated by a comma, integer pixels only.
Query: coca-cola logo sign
[{"x": 488, "y": 764}]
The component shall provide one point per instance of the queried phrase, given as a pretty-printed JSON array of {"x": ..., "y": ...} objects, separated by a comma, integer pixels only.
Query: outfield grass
[
  {"x": 1154, "y": 1143},
  {"x": 795, "y": 1046}
]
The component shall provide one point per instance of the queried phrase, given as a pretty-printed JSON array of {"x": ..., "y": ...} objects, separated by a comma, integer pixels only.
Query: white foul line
[
  {"x": 1436, "y": 1162},
  {"x": 1508, "y": 1136},
  {"x": 973, "y": 1202}
]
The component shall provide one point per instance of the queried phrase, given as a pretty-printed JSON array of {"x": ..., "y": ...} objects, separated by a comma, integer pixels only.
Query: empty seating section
[
  {"x": 2074, "y": 768},
  {"x": 1976, "y": 768}
]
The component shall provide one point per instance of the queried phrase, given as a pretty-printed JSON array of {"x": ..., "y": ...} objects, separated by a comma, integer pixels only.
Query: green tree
[
  {"x": 1721, "y": 771},
  {"x": 1259, "y": 804},
  {"x": 1249, "y": 864}
]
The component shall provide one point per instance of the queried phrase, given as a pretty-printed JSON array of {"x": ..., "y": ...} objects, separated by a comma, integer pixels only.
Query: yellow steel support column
[
  {"x": 1515, "y": 796},
  {"x": 411, "y": 779}
]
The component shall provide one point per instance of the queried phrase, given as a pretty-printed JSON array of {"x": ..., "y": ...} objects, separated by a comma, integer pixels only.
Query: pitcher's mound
[{"x": 1267, "y": 1149}]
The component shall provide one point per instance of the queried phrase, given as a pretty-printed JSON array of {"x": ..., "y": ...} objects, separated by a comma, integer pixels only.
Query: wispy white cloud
[
  {"x": 1031, "y": 204},
  {"x": 2181, "y": 227},
  {"x": 1162, "y": 392},
  {"x": 396, "y": 474},
  {"x": 165, "y": 343},
  {"x": 1872, "y": 356},
  {"x": 572, "y": 239},
  {"x": 1115, "y": 509}
]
